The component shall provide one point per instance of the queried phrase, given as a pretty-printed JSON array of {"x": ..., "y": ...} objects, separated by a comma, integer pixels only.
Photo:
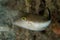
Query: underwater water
[{"x": 11, "y": 32}]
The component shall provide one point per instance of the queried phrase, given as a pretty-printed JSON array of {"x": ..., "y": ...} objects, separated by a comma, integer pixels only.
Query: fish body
[{"x": 33, "y": 22}]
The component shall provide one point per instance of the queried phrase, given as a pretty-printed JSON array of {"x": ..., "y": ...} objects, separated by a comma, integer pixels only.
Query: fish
[{"x": 33, "y": 22}]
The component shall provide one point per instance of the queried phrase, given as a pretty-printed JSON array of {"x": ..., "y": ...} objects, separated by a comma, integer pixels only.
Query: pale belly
[{"x": 37, "y": 26}]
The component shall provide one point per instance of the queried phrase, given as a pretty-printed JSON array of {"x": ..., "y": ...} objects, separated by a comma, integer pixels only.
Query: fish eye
[{"x": 23, "y": 18}]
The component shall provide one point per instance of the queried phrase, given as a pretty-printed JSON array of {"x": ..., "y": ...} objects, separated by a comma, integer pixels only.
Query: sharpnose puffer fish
[{"x": 34, "y": 21}]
